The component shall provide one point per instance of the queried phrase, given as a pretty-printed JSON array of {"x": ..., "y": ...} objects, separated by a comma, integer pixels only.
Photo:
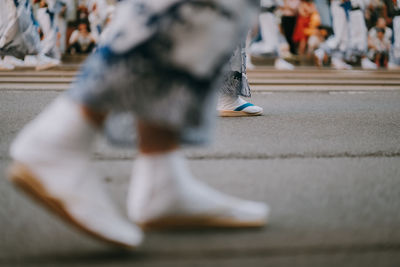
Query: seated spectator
[
  {"x": 307, "y": 24},
  {"x": 288, "y": 21},
  {"x": 81, "y": 40},
  {"x": 379, "y": 41},
  {"x": 317, "y": 37}
]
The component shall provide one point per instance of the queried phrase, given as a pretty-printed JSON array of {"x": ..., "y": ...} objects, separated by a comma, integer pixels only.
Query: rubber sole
[
  {"x": 198, "y": 222},
  {"x": 45, "y": 66},
  {"x": 23, "y": 178},
  {"x": 231, "y": 113}
]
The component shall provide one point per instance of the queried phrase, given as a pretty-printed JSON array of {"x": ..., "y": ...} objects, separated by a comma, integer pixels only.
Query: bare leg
[
  {"x": 156, "y": 139},
  {"x": 96, "y": 118}
]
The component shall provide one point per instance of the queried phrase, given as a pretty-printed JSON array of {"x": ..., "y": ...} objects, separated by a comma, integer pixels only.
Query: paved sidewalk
[{"x": 327, "y": 162}]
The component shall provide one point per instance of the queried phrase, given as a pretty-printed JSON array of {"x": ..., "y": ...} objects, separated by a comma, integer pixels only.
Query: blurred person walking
[
  {"x": 161, "y": 67},
  {"x": 349, "y": 39},
  {"x": 19, "y": 38},
  {"x": 269, "y": 45},
  {"x": 393, "y": 7}
]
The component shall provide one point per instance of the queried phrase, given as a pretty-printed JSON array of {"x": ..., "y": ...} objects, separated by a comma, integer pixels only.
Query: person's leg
[
  {"x": 377, "y": 59},
  {"x": 156, "y": 139},
  {"x": 358, "y": 38},
  {"x": 164, "y": 194},
  {"x": 288, "y": 24},
  {"x": 394, "y": 54},
  {"x": 235, "y": 85}
]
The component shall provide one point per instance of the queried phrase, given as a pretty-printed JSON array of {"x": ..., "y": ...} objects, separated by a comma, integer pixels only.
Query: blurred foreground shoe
[
  {"x": 339, "y": 64},
  {"x": 5, "y": 66},
  {"x": 52, "y": 162},
  {"x": 41, "y": 62},
  {"x": 229, "y": 106},
  {"x": 281, "y": 64},
  {"x": 13, "y": 61},
  {"x": 164, "y": 194},
  {"x": 367, "y": 64}
]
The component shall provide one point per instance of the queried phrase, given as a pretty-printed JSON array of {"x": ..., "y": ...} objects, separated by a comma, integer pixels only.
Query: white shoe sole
[
  {"x": 22, "y": 177},
  {"x": 45, "y": 66},
  {"x": 232, "y": 113}
]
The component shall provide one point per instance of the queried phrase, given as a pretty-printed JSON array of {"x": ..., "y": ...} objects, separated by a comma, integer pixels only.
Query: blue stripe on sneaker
[{"x": 240, "y": 108}]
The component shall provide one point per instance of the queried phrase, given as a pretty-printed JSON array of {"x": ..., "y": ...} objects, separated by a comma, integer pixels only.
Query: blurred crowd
[
  {"x": 340, "y": 33},
  {"x": 39, "y": 32},
  {"x": 77, "y": 24}
]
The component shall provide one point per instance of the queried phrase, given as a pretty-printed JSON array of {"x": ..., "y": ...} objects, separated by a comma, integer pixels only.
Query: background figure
[
  {"x": 97, "y": 17},
  {"x": 235, "y": 84},
  {"x": 19, "y": 38},
  {"x": 46, "y": 17},
  {"x": 269, "y": 45},
  {"x": 288, "y": 21},
  {"x": 324, "y": 13},
  {"x": 307, "y": 24},
  {"x": 394, "y": 12},
  {"x": 81, "y": 40},
  {"x": 379, "y": 42},
  {"x": 358, "y": 45},
  {"x": 349, "y": 39},
  {"x": 61, "y": 25}
]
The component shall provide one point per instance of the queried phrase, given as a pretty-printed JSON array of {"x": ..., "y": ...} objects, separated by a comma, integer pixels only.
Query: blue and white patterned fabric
[
  {"x": 162, "y": 62},
  {"x": 235, "y": 82},
  {"x": 18, "y": 29}
]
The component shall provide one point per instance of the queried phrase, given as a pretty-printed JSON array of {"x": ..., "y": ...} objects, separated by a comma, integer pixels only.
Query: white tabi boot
[
  {"x": 164, "y": 194},
  {"x": 52, "y": 162}
]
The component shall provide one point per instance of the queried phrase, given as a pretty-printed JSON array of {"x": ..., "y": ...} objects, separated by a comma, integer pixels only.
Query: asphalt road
[{"x": 326, "y": 161}]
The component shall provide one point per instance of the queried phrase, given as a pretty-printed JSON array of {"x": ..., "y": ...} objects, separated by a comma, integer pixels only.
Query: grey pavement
[{"x": 326, "y": 161}]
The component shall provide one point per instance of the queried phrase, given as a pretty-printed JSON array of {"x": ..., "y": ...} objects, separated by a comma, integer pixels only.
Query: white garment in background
[
  {"x": 358, "y": 32},
  {"x": 8, "y": 22},
  {"x": 339, "y": 41},
  {"x": 396, "y": 45},
  {"x": 270, "y": 35},
  {"x": 49, "y": 42},
  {"x": 350, "y": 32}
]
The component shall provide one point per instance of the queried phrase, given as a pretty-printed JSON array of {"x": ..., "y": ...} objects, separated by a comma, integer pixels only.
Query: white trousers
[
  {"x": 395, "y": 54},
  {"x": 350, "y": 35},
  {"x": 269, "y": 34}
]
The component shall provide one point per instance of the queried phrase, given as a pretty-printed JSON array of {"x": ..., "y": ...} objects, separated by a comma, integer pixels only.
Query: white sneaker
[
  {"x": 368, "y": 64},
  {"x": 281, "y": 64},
  {"x": 30, "y": 61},
  {"x": 52, "y": 162},
  {"x": 45, "y": 62},
  {"x": 40, "y": 62},
  {"x": 13, "y": 61},
  {"x": 164, "y": 194},
  {"x": 229, "y": 106},
  {"x": 5, "y": 66},
  {"x": 339, "y": 64},
  {"x": 393, "y": 66}
]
